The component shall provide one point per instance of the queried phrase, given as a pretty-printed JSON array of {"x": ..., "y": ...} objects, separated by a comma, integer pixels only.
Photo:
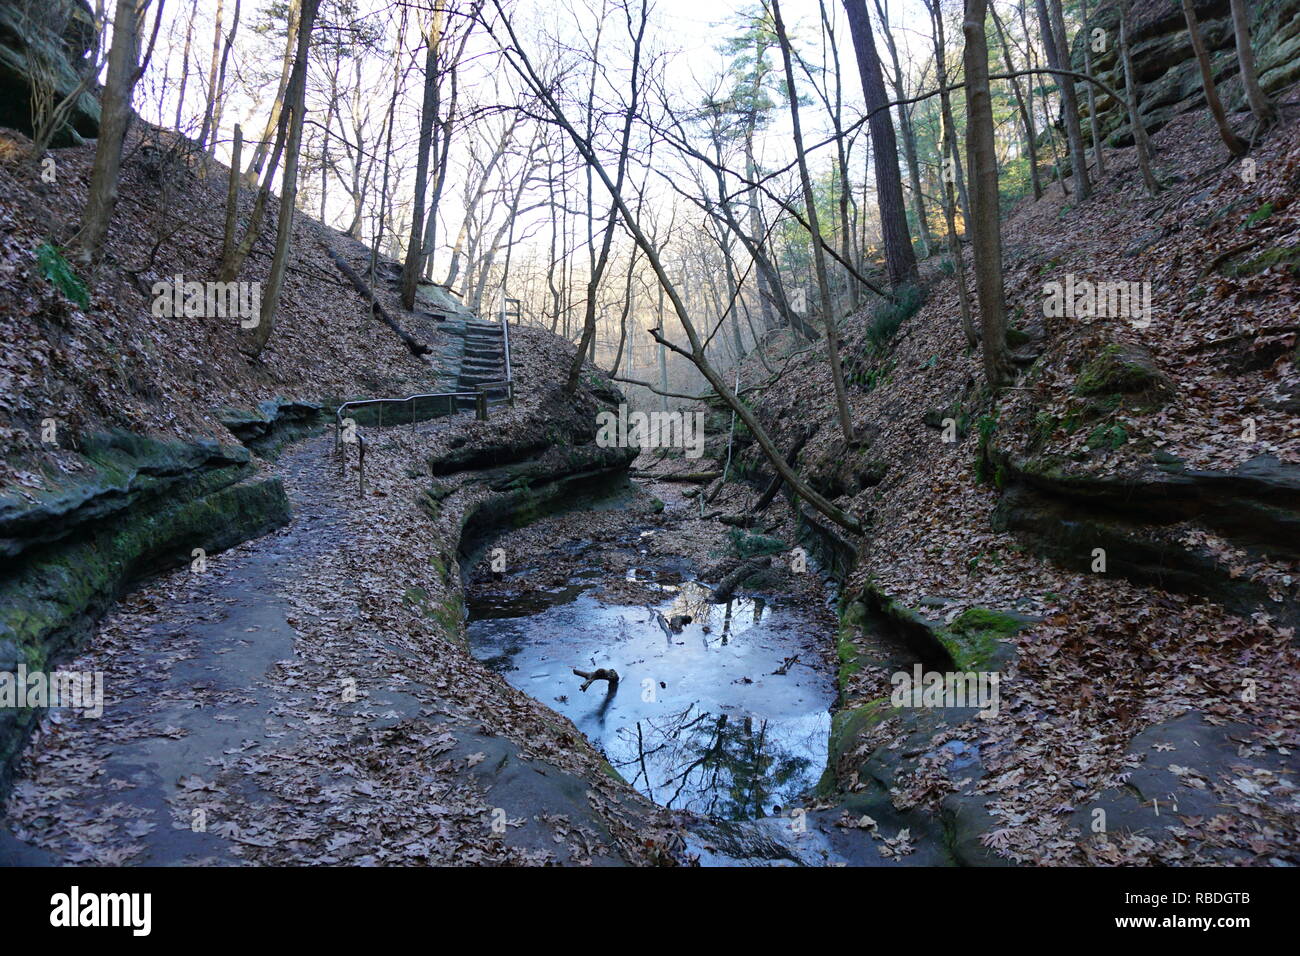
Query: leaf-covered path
[{"x": 260, "y": 711}]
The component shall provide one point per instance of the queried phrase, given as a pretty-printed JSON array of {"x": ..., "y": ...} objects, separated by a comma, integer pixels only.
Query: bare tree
[
  {"x": 985, "y": 229},
  {"x": 695, "y": 352},
  {"x": 1236, "y": 145},
  {"x": 819, "y": 257},
  {"x": 115, "y": 115},
  {"x": 1024, "y": 106},
  {"x": 1052, "y": 24},
  {"x": 1141, "y": 141},
  {"x": 289, "y": 185},
  {"x": 263, "y": 147},
  {"x": 905, "y": 128},
  {"x": 428, "y": 117},
  {"x": 1094, "y": 122}
]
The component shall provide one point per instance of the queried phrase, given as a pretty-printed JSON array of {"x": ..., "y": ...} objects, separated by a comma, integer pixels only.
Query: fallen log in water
[{"x": 604, "y": 674}]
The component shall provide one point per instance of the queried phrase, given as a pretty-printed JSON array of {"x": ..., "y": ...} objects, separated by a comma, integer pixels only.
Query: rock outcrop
[
  {"x": 46, "y": 42},
  {"x": 137, "y": 507},
  {"x": 1166, "y": 66}
]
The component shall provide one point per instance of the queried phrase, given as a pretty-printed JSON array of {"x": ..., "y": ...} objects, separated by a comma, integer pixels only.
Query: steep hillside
[{"x": 1174, "y": 447}]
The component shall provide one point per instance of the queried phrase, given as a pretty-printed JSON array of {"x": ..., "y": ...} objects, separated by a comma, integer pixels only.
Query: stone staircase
[
  {"x": 464, "y": 351},
  {"x": 483, "y": 360}
]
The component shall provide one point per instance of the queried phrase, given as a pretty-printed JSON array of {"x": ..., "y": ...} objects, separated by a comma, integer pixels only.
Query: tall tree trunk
[
  {"x": 1052, "y": 24},
  {"x": 1026, "y": 113},
  {"x": 819, "y": 256},
  {"x": 663, "y": 355},
  {"x": 909, "y": 137},
  {"x": 1094, "y": 122},
  {"x": 428, "y": 116},
  {"x": 945, "y": 110},
  {"x": 289, "y": 186},
  {"x": 1264, "y": 111},
  {"x": 115, "y": 116},
  {"x": 948, "y": 147},
  {"x": 985, "y": 228},
  {"x": 219, "y": 104},
  {"x": 232, "y": 196},
  {"x": 185, "y": 64},
  {"x": 900, "y": 259},
  {"x": 263, "y": 147},
  {"x": 213, "y": 67},
  {"x": 1236, "y": 145},
  {"x": 1141, "y": 141},
  {"x": 588, "y": 341}
]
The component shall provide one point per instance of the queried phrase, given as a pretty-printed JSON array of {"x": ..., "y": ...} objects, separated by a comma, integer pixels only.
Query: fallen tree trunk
[
  {"x": 727, "y": 586},
  {"x": 417, "y": 347},
  {"x": 774, "y": 486},
  {"x": 604, "y": 674}
]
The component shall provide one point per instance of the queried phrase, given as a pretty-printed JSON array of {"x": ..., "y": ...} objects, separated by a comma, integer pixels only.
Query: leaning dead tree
[
  {"x": 516, "y": 55},
  {"x": 377, "y": 309}
]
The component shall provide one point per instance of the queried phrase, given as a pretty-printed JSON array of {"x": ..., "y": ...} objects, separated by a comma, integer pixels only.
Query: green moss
[
  {"x": 747, "y": 545},
  {"x": 1107, "y": 437},
  {"x": 1287, "y": 257},
  {"x": 1258, "y": 216},
  {"x": 972, "y": 639},
  {"x": 846, "y": 727},
  {"x": 1117, "y": 369},
  {"x": 851, "y": 621},
  {"x": 890, "y": 314}
]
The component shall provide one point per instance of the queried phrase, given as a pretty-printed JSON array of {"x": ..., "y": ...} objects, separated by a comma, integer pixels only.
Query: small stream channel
[{"x": 726, "y": 715}]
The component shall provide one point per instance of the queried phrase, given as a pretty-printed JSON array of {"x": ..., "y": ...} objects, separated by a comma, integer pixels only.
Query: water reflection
[{"x": 709, "y": 715}]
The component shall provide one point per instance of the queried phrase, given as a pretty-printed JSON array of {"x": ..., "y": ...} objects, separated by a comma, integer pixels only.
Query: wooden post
[{"x": 480, "y": 405}]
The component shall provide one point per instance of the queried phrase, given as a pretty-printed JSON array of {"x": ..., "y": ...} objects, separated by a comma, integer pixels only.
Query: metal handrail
[
  {"x": 505, "y": 343},
  {"x": 479, "y": 394}
]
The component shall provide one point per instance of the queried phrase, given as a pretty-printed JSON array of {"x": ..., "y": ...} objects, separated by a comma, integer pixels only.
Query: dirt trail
[{"x": 244, "y": 722}]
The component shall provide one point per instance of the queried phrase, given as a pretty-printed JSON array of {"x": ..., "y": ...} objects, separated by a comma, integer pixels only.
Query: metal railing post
[{"x": 361, "y": 466}]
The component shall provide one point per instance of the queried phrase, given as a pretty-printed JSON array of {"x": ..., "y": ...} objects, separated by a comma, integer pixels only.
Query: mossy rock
[
  {"x": 974, "y": 639},
  {"x": 1121, "y": 370},
  {"x": 846, "y": 727},
  {"x": 851, "y": 622}
]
